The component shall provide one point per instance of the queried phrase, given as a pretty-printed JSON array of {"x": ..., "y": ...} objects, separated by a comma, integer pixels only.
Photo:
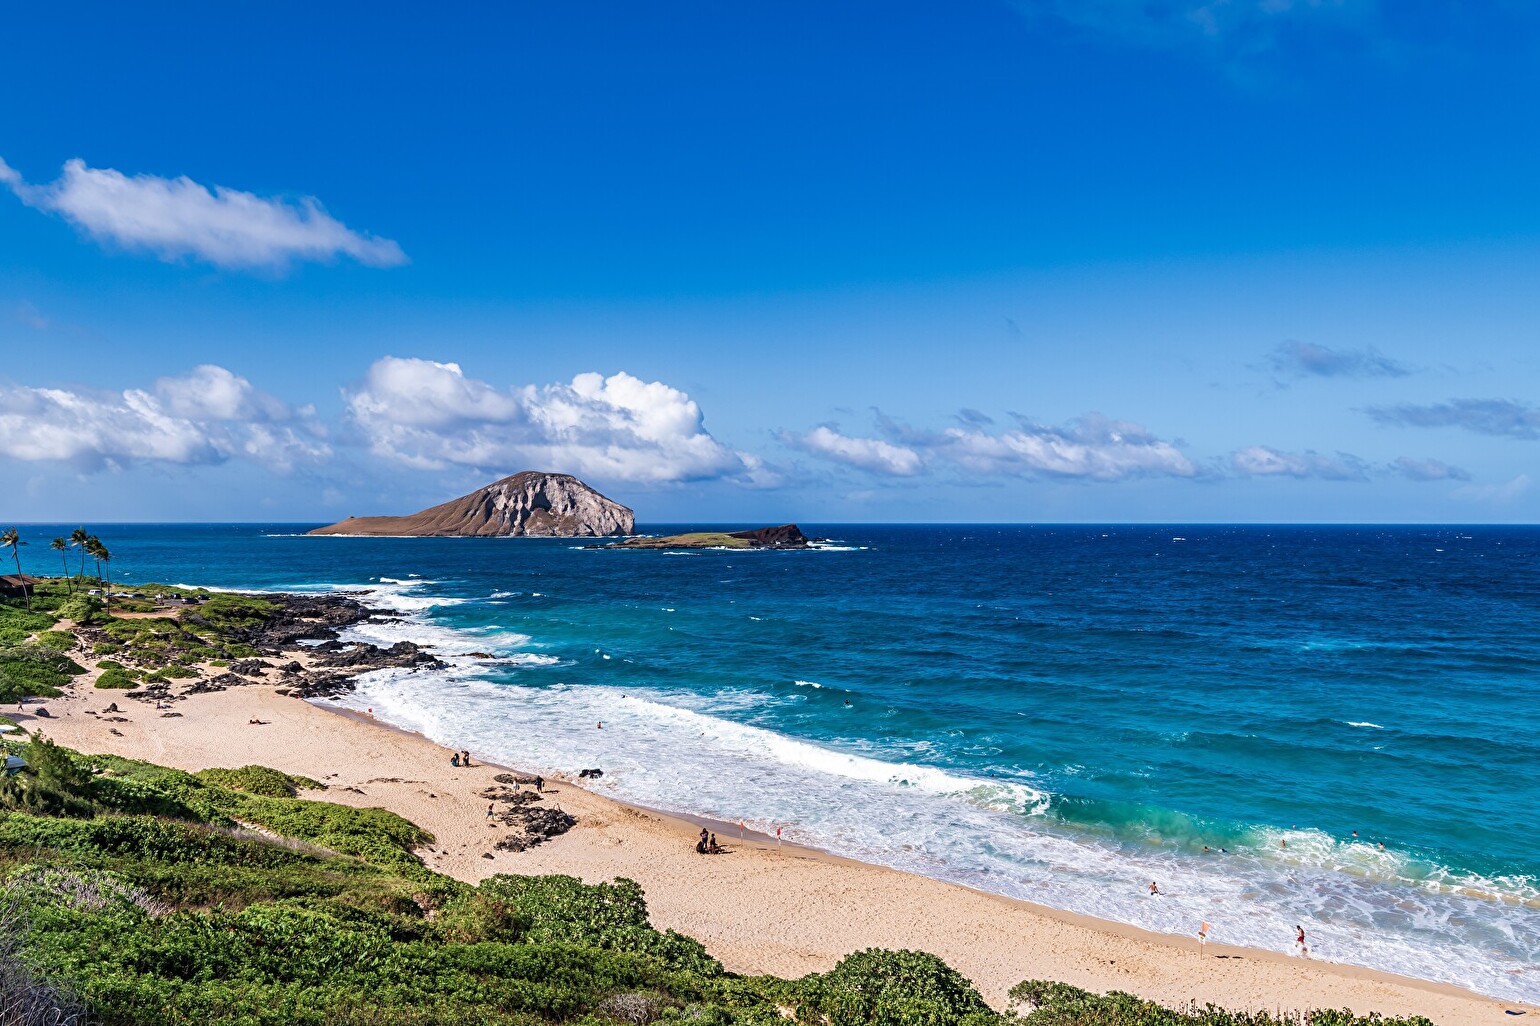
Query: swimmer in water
[
  {"x": 1154, "y": 888},
  {"x": 1300, "y": 947}
]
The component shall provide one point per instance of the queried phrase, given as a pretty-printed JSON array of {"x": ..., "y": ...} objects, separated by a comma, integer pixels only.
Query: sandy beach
[{"x": 760, "y": 908}]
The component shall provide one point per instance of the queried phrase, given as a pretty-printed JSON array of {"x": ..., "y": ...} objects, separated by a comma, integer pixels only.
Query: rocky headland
[
  {"x": 529, "y": 504},
  {"x": 291, "y": 641}
]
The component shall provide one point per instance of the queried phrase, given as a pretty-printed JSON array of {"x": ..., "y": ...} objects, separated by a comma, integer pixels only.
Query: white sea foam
[
  {"x": 692, "y": 753},
  {"x": 807, "y": 684},
  {"x": 1363, "y": 723}
]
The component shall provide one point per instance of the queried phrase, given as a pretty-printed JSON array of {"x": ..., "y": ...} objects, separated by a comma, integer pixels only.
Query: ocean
[{"x": 1057, "y": 713}]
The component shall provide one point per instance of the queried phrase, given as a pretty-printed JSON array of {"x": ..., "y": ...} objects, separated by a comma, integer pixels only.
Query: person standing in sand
[{"x": 1202, "y": 938}]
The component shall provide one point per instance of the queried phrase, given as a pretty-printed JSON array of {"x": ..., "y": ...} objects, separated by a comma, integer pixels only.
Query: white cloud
[
  {"x": 1428, "y": 470},
  {"x": 1496, "y": 494},
  {"x": 1092, "y": 447},
  {"x": 430, "y": 415},
  {"x": 1264, "y": 461},
  {"x": 866, "y": 453},
  {"x": 209, "y": 392},
  {"x": 178, "y": 217},
  {"x": 173, "y": 424},
  {"x": 1301, "y": 359}
]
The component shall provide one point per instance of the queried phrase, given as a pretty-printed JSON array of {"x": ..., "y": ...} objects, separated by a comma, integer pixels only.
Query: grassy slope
[
  {"x": 37, "y": 659},
  {"x": 693, "y": 540}
]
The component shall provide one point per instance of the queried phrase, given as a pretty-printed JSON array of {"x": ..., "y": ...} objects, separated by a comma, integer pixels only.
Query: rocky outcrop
[
  {"x": 529, "y": 504},
  {"x": 787, "y": 536}
]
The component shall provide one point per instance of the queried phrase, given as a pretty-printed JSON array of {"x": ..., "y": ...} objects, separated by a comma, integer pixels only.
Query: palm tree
[
  {"x": 78, "y": 538},
  {"x": 59, "y": 545},
  {"x": 9, "y": 539},
  {"x": 94, "y": 549},
  {"x": 106, "y": 561}
]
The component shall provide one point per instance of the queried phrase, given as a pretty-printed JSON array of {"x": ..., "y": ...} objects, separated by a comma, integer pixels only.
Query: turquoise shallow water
[{"x": 1056, "y": 713}]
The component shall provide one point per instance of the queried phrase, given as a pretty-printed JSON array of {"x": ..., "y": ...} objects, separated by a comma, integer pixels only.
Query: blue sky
[{"x": 1256, "y": 260}]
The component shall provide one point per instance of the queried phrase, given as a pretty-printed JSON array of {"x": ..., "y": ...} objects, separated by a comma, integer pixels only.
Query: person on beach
[
  {"x": 714, "y": 848},
  {"x": 539, "y": 784},
  {"x": 465, "y": 758},
  {"x": 489, "y": 810},
  {"x": 701, "y": 846},
  {"x": 454, "y": 760},
  {"x": 1154, "y": 889},
  {"x": 1202, "y": 938},
  {"x": 1300, "y": 947}
]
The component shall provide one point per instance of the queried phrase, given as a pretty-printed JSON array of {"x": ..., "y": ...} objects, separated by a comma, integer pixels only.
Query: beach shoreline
[{"x": 764, "y": 908}]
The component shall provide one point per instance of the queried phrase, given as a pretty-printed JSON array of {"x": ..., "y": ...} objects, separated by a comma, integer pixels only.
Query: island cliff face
[{"x": 528, "y": 504}]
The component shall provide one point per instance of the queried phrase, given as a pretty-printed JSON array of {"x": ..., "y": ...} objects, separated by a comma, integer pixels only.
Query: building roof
[{"x": 17, "y": 580}]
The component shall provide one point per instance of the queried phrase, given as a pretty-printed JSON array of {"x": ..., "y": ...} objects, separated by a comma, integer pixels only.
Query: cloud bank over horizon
[
  {"x": 426, "y": 417},
  {"x": 206, "y": 416},
  {"x": 430, "y": 415}
]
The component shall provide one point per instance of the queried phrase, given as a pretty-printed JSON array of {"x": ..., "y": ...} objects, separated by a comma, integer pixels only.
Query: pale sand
[{"x": 759, "y": 909}]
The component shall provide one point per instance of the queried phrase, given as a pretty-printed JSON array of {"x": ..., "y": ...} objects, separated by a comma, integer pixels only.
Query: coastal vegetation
[{"x": 58, "y": 620}]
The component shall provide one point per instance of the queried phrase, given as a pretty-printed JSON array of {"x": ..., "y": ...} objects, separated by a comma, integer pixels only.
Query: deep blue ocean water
[{"x": 1061, "y": 714}]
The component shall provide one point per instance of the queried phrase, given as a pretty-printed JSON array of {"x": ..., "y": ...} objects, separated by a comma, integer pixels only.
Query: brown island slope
[{"x": 528, "y": 504}]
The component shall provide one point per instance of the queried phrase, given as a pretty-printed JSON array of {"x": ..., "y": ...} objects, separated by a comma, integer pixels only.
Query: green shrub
[
  {"x": 115, "y": 677},
  {"x": 106, "y": 648},
  {"x": 34, "y": 670},
  {"x": 259, "y": 780},
  {"x": 17, "y": 618},
  {"x": 892, "y": 988},
  {"x": 1059, "y": 1004},
  {"x": 563, "y": 909},
  {"x": 59, "y": 641},
  {"x": 167, "y": 673},
  {"x": 84, "y": 610}
]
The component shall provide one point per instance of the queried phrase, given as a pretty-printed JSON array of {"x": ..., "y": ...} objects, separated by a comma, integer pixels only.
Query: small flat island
[{"x": 786, "y": 536}]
